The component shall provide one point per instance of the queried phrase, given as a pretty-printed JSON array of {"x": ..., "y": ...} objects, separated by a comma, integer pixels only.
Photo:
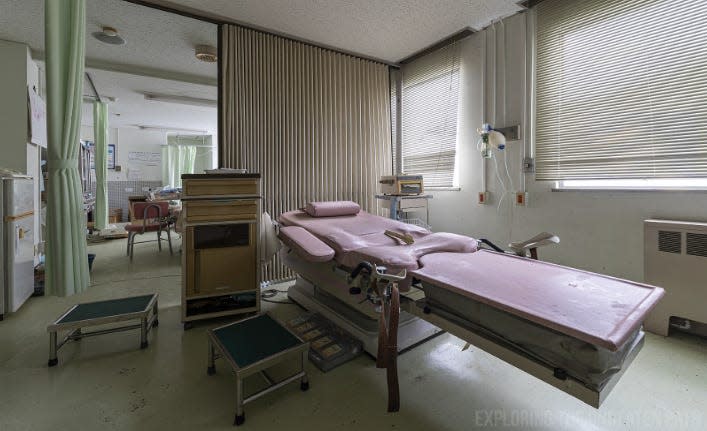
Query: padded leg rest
[{"x": 308, "y": 246}]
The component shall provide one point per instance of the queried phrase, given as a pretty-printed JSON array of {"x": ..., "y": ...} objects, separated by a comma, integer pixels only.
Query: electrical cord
[
  {"x": 503, "y": 185},
  {"x": 508, "y": 172}
]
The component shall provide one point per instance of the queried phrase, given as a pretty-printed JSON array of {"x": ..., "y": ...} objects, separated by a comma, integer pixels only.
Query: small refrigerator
[{"x": 16, "y": 233}]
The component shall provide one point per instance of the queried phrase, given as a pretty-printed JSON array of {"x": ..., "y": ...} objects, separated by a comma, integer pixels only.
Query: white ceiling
[
  {"x": 158, "y": 54},
  {"x": 384, "y": 29},
  {"x": 157, "y": 43},
  {"x": 129, "y": 91}
]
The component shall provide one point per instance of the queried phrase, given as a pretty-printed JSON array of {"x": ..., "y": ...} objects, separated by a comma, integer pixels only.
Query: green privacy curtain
[
  {"x": 100, "y": 136},
  {"x": 67, "y": 262},
  {"x": 178, "y": 157},
  {"x": 204, "y": 156}
]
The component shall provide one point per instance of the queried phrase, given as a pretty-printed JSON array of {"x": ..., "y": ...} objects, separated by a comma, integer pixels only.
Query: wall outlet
[
  {"x": 483, "y": 197},
  {"x": 521, "y": 199},
  {"x": 528, "y": 165},
  {"x": 129, "y": 189},
  {"x": 145, "y": 189}
]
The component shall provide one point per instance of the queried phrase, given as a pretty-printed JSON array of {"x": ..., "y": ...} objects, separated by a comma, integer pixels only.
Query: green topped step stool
[
  {"x": 251, "y": 346},
  {"x": 142, "y": 308}
]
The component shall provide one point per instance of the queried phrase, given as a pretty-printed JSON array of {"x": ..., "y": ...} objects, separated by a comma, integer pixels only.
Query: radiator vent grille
[
  {"x": 697, "y": 244},
  {"x": 669, "y": 241}
]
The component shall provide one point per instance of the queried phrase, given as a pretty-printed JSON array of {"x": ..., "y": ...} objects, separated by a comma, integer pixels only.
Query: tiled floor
[{"x": 107, "y": 382}]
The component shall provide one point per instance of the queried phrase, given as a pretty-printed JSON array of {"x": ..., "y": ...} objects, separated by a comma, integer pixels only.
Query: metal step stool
[
  {"x": 142, "y": 308},
  {"x": 251, "y": 346}
]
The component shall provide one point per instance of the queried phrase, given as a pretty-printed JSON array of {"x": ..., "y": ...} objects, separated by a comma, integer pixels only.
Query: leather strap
[{"x": 388, "y": 343}]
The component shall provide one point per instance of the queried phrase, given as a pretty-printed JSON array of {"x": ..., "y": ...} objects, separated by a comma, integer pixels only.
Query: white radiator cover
[{"x": 675, "y": 258}]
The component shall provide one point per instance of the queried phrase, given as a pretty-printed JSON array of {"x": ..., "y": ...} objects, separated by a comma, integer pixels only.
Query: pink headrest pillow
[{"x": 332, "y": 208}]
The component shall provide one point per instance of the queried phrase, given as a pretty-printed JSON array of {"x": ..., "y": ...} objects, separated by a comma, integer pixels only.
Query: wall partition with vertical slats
[
  {"x": 430, "y": 106},
  {"x": 621, "y": 89},
  {"x": 315, "y": 123}
]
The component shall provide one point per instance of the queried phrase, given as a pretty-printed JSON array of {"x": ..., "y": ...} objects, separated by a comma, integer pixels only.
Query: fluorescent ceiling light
[
  {"x": 182, "y": 100},
  {"x": 168, "y": 129}
]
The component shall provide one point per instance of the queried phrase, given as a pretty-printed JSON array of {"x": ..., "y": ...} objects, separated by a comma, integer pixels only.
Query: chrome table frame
[
  {"x": 216, "y": 350},
  {"x": 147, "y": 316}
]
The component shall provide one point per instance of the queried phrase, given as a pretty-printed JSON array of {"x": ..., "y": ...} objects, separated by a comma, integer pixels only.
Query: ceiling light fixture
[
  {"x": 168, "y": 129},
  {"x": 182, "y": 100},
  {"x": 206, "y": 53},
  {"x": 110, "y": 36}
]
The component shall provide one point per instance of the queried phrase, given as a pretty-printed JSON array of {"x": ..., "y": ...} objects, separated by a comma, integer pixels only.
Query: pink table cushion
[
  {"x": 332, "y": 208},
  {"x": 361, "y": 237},
  {"x": 345, "y": 234},
  {"x": 402, "y": 256},
  {"x": 594, "y": 308},
  {"x": 305, "y": 244}
]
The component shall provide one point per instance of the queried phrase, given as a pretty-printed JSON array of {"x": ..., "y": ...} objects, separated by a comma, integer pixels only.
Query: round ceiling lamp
[
  {"x": 110, "y": 36},
  {"x": 206, "y": 53}
]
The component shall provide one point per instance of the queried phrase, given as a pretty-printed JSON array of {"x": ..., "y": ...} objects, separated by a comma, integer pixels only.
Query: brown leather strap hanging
[{"x": 388, "y": 344}]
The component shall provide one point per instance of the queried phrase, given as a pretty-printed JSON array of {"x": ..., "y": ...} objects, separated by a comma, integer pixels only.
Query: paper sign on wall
[
  {"x": 145, "y": 158},
  {"x": 38, "y": 118}
]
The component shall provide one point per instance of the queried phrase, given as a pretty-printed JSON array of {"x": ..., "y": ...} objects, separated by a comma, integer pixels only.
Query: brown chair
[{"x": 150, "y": 217}]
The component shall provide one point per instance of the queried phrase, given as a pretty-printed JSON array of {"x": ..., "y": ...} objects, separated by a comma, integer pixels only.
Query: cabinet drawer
[
  {"x": 217, "y": 187},
  {"x": 220, "y": 210}
]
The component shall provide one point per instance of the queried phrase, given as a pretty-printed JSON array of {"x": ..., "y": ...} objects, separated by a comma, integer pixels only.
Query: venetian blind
[
  {"x": 430, "y": 103},
  {"x": 621, "y": 89}
]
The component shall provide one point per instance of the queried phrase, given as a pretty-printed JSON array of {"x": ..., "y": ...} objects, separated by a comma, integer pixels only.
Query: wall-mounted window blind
[
  {"x": 394, "y": 77},
  {"x": 621, "y": 89},
  {"x": 430, "y": 103}
]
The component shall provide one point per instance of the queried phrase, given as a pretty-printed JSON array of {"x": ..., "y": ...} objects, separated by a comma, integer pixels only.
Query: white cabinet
[{"x": 18, "y": 75}]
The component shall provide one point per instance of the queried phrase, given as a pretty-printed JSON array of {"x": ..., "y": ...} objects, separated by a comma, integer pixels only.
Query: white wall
[
  {"x": 128, "y": 140},
  {"x": 600, "y": 230}
]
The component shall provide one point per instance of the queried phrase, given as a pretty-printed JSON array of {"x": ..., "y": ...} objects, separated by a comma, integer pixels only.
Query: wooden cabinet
[{"x": 220, "y": 265}]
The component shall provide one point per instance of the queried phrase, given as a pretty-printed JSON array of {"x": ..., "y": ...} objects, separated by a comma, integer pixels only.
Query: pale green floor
[{"x": 107, "y": 382}]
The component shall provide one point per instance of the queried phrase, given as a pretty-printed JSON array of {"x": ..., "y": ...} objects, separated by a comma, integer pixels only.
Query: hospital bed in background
[{"x": 575, "y": 330}]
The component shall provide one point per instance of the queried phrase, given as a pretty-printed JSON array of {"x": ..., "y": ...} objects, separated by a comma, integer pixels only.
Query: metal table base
[
  {"x": 221, "y": 345},
  {"x": 80, "y": 316}
]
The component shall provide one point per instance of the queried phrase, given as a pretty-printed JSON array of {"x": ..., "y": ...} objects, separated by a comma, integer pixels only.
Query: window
[
  {"x": 430, "y": 99},
  {"x": 620, "y": 92}
]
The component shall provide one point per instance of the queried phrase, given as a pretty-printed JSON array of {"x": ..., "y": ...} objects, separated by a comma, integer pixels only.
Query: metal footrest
[
  {"x": 251, "y": 346},
  {"x": 81, "y": 316}
]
